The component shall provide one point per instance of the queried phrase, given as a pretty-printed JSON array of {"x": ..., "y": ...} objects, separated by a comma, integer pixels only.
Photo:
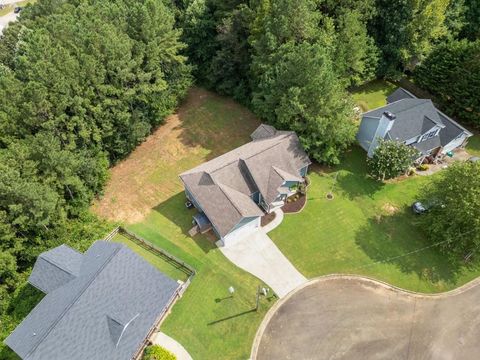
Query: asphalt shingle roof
[
  {"x": 415, "y": 117},
  {"x": 223, "y": 186},
  {"x": 104, "y": 313}
]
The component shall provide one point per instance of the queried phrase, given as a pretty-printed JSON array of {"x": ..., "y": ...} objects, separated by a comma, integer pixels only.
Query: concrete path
[
  {"x": 275, "y": 222},
  {"x": 258, "y": 255},
  {"x": 171, "y": 345},
  {"x": 351, "y": 317},
  {"x": 4, "y": 20}
]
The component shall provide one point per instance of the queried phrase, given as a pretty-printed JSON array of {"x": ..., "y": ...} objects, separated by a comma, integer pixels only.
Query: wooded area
[{"x": 82, "y": 82}]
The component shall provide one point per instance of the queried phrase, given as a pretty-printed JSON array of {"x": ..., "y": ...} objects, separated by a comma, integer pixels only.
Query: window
[{"x": 429, "y": 135}]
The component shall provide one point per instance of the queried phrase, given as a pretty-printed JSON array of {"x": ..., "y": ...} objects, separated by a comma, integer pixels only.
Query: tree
[
  {"x": 229, "y": 72},
  {"x": 299, "y": 91},
  {"x": 452, "y": 73},
  {"x": 406, "y": 30},
  {"x": 471, "y": 30},
  {"x": 453, "y": 221},
  {"x": 295, "y": 84},
  {"x": 390, "y": 159},
  {"x": 356, "y": 55}
]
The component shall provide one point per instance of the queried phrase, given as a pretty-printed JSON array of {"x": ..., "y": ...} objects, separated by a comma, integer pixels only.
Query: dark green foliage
[
  {"x": 299, "y": 91},
  {"x": 454, "y": 218},
  {"x": 471, "y": 29},
  {"x": 81, "y": 84},
  {"x": 296, "y": 86},
  {"x": 452, "y": 73},
  {"x": 405, "y": 31},
  {"x": 229, "y": 73},
  {"x": 390, "y": 159},
  {"x": 155, "y": 352}
]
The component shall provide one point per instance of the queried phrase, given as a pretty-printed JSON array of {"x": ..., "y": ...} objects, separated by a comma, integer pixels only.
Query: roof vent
[{"x": 389, "y": 115}]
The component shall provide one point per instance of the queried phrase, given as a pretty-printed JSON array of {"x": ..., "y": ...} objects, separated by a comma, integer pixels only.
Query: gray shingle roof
[
  {"x": 104, "y": 313},
  {"x": 55, "y": 268},
  {"x": 223, "y": 186},
  {"x": 415, "y": 117}
]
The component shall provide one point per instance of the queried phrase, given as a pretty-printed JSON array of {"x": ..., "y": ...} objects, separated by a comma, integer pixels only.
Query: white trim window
[{"x": 428, "y": 135}]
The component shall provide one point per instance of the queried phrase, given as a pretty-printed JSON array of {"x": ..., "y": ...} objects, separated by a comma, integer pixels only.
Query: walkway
[
  {"x": 258, "y": 255},
  {"x": 351, "y": 317},
  {"x": 171, "y": 345}
]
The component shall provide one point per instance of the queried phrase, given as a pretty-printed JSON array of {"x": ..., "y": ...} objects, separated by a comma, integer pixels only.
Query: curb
[{"x": 365, "y": 279}]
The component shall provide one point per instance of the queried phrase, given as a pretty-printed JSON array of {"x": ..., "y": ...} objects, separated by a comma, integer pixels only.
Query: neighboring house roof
[
  {"x": 223, "y": 186},
  {"x": 55, "y": 268},
  {"x": 414, "y": 117},
  {"x": 104, "y": 312}
]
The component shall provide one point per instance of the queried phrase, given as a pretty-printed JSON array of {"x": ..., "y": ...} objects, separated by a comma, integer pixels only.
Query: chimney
[{"x": 384, "y": 126}]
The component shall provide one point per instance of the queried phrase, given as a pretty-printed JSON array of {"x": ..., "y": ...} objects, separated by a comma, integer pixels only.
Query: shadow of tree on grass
[
  {"x": 388, "y": 239},
  {"x": 174, "y": 210}
]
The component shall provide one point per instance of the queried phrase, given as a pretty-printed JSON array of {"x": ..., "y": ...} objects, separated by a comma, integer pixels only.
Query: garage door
[
  {"x": 244, "y": 230},
  {"x": 453, "y": 144}
]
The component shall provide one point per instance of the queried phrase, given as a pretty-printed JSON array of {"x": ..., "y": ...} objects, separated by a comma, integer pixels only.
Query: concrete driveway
[
  {"x": 258, "y": 255},
  {"x": 343, "y": 317}
]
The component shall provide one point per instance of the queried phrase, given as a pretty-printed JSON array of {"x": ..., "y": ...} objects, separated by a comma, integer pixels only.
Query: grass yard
[
  {"x": 372, "y": 94},
  {"x": 145, "y": 194},
  {"x": 10, "y": 7},
  {"x": 473, "y": 146},
  {"x": 366, "y": 229},
  {"x": 167, "y": 267}
]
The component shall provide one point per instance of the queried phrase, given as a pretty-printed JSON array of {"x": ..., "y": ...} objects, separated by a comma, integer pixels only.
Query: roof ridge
[
  {"x": 281, "y": 138},
  {"x": 54, "y": 263},
  {"x": 228, "y": 197},
  {"x": 75, "y": 299}
]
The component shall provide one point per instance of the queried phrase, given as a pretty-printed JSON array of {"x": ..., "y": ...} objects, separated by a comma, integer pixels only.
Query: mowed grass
[
  {"x": 206, "y": 320},
  {"x": 169, "y": 268},
  {"x": 372, "y": 94},
  {"x": 473, "y": 146},
  {"x": 368, "y": 228},
  {"x": 10, "y": 7}
]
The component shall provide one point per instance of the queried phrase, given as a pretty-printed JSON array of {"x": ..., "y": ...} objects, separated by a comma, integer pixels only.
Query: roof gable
[
  {"x": 71, "y": 322},
  {"x": 236, "y": 175}
]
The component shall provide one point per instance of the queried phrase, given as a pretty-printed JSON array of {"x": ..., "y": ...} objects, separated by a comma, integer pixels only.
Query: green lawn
[
  {"x": 206, "y": 320},
  {"x": 366, "y": 229},
  {"x": 473, "y": 146},
  {"x": 373, "y": 94},
  {"x": 10, "y": 7},
  {"x": 168, "y": 268}
]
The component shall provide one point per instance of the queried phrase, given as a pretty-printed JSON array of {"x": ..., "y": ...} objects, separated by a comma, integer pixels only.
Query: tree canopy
[
  {"x": 453, "y": 221},
  {"x": 391, "y": 159}
]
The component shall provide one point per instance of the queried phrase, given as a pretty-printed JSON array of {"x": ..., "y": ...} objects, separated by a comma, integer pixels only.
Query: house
[
  {"x": 233, "y": 191},
  {"x": 100, "y": 305},
  {"x": 415, "y": 122}
]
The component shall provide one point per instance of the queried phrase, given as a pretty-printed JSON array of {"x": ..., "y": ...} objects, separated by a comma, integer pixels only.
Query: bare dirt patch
[
  {"x": 389, "y": 209},
  {"x": 206, "y": 125}
]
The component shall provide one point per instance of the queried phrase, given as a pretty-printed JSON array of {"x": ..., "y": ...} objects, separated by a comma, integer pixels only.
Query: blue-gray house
[
  {"x": 233, "y": 191},
  {"x": 415, "y": 122},
  {"x": 100, "y": 305}
]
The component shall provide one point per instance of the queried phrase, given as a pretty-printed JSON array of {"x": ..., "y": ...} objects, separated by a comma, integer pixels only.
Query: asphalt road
[{"x": 359, "y": 319}]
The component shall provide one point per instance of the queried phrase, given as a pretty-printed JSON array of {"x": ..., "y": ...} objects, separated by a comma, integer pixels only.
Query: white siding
[
  {"x": 452, "y": 145},
  {"x": 243, "y": 231}
]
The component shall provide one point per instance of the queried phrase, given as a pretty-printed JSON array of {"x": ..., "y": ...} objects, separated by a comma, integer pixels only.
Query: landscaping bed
[{"x": 296, "y": 204}]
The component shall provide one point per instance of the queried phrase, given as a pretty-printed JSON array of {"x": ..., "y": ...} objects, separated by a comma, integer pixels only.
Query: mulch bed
[
  {"x": 267, "y": 218},
  {"x": 295, "y": 206}
]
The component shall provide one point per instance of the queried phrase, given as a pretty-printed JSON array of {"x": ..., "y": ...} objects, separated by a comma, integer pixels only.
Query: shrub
[
  {"x": 155, "y": 352},
  {"x": 391, "y": 159},
  {"x": 422, "y": 167}
]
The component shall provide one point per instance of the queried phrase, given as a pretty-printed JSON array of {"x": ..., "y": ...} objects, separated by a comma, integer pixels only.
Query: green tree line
[{"x": 81, "y": 84}]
